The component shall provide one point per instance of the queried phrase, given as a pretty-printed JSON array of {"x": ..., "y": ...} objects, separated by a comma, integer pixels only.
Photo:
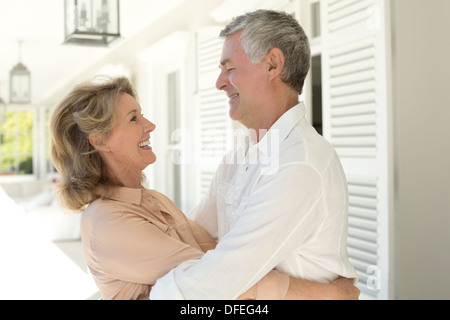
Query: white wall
[{"x": 421, "y": 68}]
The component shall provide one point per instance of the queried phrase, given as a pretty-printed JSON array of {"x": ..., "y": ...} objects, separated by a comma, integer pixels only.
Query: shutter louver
[
  {"x": 362, "y": 228},
  {"x": 353, "y": 100},
  {"x": 346, "y": 13},
  {"x": 212, "y": 106}
]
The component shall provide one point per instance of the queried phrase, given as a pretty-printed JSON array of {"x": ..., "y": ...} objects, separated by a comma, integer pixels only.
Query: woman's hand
[{"x": 343, "y": 289}]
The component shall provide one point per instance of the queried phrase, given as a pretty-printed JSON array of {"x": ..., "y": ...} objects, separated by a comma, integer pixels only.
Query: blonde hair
[{"x": 88, "y": 108}]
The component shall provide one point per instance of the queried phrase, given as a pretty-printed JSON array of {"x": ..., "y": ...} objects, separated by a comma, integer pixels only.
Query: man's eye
[{"x": 133, "y": 119}]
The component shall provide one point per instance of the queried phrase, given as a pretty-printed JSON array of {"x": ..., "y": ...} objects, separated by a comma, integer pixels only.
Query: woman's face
[{"x": 129, "y": 141}]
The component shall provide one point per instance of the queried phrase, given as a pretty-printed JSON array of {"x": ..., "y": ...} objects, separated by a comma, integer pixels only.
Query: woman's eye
[{"x": 134, "y": 118}]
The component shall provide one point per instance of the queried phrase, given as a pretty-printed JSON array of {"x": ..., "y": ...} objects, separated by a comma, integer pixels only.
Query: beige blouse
[{"x": 132, "y": 237}]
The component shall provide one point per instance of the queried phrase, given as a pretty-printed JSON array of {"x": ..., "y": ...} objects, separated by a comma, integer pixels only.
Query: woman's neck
[{"x": 126, "y": 178}]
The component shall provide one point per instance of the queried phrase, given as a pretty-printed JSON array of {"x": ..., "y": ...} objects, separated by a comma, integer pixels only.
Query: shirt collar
[
  {"x": 281, "y": 129},
  {"x": 123, "y": 194}
]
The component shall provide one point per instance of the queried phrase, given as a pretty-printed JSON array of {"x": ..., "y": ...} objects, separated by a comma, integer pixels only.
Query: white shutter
[
  {"x": 347, "y": 13},
  {"x": 353, "y": 99},
  {"x": 212, "y": 119},
  {"x": 355, "y": 122},
  {"x": 363, "y": 229}
]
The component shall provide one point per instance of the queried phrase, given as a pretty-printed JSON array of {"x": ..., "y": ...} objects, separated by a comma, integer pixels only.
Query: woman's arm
[
  {"x": 339, "y": 289},
  {"x": 278, "y": 286}
]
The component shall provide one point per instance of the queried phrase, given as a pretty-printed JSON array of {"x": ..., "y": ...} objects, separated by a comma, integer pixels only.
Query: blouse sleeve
[
  {"x": 130, "y": 248},
  {"x": 204, "y": 240}
]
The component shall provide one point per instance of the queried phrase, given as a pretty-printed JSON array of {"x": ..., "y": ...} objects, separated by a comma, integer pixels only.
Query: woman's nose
[{"x": 149, "y": 126}]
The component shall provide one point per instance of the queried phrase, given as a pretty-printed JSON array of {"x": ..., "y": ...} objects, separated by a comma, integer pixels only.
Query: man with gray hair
[{"x": 280, "y": 200}]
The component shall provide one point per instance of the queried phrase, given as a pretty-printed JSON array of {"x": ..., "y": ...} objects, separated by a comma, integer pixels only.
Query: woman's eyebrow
[{"x": 135, "y": 110}]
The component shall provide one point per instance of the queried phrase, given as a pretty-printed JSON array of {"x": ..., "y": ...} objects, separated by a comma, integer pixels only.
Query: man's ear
[
  {"x": 275, "y": 62},
  {"x": 98, "y": 141}
]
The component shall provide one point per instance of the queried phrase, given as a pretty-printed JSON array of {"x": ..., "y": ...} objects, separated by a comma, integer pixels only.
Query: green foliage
[{"x": 16, "y": 142}]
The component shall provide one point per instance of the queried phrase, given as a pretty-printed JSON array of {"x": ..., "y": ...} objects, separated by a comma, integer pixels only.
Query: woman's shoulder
[
  {"x": 106, "y": 218},
  {"x": 160, "y": 197},
  {"x": 166, "y": 204},
  {"x": 155, "y": 194},
  {"x": 97, "y": 206},
  {"x": 101, "y": 211}
]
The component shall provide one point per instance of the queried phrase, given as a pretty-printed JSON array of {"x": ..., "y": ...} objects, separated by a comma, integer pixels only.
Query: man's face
[{"x": 243, "y": 82}]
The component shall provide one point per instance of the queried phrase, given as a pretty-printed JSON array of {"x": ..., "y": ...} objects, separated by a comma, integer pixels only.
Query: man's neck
[{"x": 261, "y": 128}]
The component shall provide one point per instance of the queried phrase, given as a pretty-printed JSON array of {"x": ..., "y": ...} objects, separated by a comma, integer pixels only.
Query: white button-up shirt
[{"x": 281, "y": 203}]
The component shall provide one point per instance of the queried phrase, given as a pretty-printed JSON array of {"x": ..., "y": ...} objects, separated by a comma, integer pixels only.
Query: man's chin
[{"x": 233, "y": 113}]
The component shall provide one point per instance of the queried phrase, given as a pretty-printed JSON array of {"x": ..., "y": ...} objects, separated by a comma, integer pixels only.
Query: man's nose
[{"x": 222, "y": 81}]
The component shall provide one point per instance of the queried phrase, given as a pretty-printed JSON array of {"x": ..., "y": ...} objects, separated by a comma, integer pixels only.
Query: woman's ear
[
  {"x": 97, "y": 140},
  {"x": 275, "y": 62}
]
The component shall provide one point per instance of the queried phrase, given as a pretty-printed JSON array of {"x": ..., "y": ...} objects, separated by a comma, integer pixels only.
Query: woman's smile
[{"x": 145, "y": 145}]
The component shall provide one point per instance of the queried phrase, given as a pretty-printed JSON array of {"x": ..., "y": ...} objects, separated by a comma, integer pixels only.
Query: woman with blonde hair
[{"x": 132, "y": 235}]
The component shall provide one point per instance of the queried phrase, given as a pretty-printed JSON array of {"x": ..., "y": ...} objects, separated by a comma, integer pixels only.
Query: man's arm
[{"x": 275, "y": 222}]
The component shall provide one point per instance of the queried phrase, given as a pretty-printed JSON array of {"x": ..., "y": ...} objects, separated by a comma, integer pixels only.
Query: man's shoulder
[{"x": 305, "y": 146}]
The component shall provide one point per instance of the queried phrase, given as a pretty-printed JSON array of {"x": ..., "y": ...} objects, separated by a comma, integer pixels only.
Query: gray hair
[{"x": 264, "y": 30}]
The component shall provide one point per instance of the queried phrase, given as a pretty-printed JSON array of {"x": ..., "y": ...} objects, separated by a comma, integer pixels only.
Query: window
[
  {"x": 16, "y": 143},
  {"x": 315, "y": 19},
  {"x": 316, "y": 72}
]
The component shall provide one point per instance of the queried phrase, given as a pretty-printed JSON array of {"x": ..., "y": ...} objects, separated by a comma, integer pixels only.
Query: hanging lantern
[
  {"x": 20, "y": 82},
  {"x": 91, "y": 22}
]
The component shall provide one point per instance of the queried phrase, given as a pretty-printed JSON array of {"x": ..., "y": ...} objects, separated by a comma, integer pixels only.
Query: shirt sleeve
[
  {"x": 131, "y": 249},
  {"x": 281, "y": 215}
]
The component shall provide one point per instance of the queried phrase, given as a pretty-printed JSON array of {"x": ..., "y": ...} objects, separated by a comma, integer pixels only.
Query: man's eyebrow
[{"x": 224, "y": 62}]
